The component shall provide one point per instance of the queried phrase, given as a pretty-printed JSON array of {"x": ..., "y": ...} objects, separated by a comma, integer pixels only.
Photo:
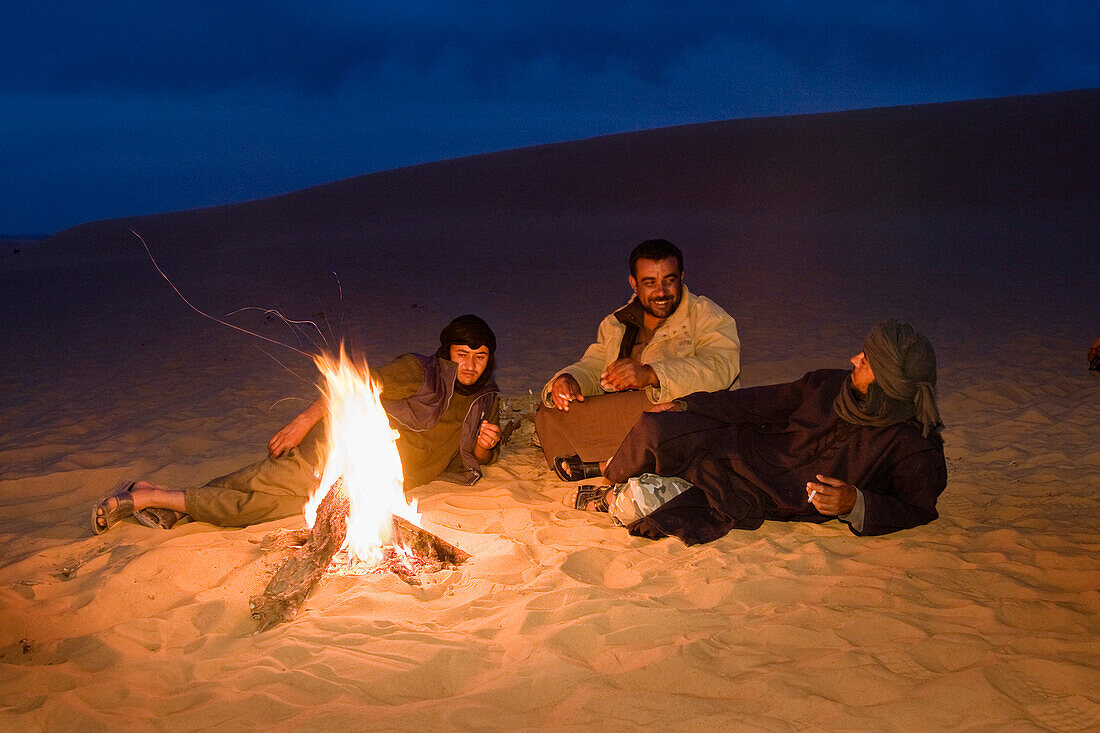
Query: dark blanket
[{"x": 750, "y": 452}]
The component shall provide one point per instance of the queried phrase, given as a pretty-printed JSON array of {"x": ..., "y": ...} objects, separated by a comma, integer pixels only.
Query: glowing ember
[
  {"x": 362, "y": 450},
  {"x": 414, "y": 552},
  {"x": 395, "y": 559}
]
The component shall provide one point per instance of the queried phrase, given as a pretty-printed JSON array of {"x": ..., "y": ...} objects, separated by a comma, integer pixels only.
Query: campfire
[{"x": 358, "y": 521}]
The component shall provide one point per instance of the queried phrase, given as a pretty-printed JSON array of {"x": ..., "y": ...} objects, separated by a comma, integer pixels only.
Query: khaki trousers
[{"x": 271, "y": 489}]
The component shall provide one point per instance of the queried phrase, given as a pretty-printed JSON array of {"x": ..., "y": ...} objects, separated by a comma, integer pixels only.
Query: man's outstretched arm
[
  {"x": 296, "y": 430},
  {"x": 585, "y": 374}
]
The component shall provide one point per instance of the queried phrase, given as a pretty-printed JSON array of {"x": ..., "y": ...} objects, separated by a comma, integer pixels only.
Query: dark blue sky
[{"x": 119, "y": 108}]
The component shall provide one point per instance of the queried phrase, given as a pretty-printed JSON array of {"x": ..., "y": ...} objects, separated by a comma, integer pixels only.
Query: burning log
[
  {"x": 295, "y": 578},
  {"x": 306, "y": 564}
]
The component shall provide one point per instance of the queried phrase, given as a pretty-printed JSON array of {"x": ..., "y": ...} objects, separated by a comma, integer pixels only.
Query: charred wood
[
  {"x": 305, "y": 565},
  {"x": 312, "y": 551}
]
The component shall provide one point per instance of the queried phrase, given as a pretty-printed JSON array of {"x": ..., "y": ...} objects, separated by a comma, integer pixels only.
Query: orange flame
[{"x": 362, "y": 449}]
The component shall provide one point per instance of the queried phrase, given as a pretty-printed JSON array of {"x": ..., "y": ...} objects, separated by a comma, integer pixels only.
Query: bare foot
[
  {"x": 113, "y": 508},
  {"x": 148, "y": 495},
  {"x": 131, "y": 498},
  {"x": 109, "y": 508}
]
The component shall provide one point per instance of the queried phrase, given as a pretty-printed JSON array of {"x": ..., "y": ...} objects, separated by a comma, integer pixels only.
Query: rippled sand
[{"x": 987, "y": 619}]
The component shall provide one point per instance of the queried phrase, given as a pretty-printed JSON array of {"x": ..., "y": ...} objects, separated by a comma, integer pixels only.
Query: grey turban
[{"x": 904, "y": 365}]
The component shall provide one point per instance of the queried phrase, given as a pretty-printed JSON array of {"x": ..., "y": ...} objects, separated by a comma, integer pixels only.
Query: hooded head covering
[
  {"x": 904, "y": 388},
  {"x": 468, "y": 330}
]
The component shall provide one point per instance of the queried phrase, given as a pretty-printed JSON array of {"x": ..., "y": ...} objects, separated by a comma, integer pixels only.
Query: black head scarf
[
  {"x": 469, "y": 330},
  {"x": 904, "y": 389}
]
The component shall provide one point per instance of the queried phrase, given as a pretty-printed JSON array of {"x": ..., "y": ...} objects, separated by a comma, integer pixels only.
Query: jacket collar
[{"x": 631, "y": 314}]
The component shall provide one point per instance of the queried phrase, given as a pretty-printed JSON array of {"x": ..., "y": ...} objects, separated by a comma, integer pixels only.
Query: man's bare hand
[
  {"x": 488, "y": 435},
  {"x": 665, "y": 407},
  {"x": 628, "y": 374},
  {"x": 564, "y": 390},
  {"x": 290, "y": 436},
  {"x": 831, "y": 496}
]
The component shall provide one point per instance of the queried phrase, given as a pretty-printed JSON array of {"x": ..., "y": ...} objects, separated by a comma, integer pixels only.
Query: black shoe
[
  {"x": 572, "y": 468},
  {"x": 592, "y": 498}
]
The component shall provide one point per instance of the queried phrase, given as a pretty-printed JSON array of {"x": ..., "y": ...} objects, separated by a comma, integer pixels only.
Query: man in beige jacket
[{"x": 662, "y": 345}]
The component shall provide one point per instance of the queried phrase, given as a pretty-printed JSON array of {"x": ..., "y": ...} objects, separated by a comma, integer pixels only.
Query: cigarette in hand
[{"x": 812, "y": 495}]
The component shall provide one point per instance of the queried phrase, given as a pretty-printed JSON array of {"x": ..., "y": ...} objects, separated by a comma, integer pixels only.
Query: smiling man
[
  {"x": 666, "y": 342},
  {"x": 443, "y": 406},
  {"x": 862, "y": 445}
]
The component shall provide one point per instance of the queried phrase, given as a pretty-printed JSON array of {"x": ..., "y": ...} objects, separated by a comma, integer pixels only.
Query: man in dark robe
[{"x": 863, "y": 446}]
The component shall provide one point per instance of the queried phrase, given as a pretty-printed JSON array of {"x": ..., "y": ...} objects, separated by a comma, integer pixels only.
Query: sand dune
[{"x": 978, "y": 221}]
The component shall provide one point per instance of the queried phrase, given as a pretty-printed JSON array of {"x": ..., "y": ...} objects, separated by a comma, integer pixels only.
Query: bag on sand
[{"x": 641, "y": 495}]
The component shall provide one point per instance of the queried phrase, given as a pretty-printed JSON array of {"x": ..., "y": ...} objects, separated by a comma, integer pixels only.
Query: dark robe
[{"x": 750, "y": 452}]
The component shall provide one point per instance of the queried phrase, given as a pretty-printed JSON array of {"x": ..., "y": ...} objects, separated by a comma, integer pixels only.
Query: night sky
[{"x": 121, "y": 108}]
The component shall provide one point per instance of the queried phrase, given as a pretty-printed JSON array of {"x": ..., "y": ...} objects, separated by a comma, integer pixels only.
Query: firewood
[
  {"x": 313, "y": 550},
  {"x": 296, "y": 577},
  {"x": 425, "y": 544},
  {"x": 282, "y": 539}
]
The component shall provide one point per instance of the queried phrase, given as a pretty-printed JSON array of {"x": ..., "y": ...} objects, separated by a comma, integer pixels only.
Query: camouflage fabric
[{"x": 641, "y": 495}]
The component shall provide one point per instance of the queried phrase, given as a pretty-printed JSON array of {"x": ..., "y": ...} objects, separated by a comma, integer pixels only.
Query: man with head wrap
[
  {"x": 444, "y": 407},
  {"x": 861, "y": 445}
]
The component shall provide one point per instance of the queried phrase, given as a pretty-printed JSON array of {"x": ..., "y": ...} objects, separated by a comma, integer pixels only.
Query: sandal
[
  {"x": 124, "y": 507},
  {"x": 158, "y": 517},
  {"x": 572, "y": 468},
  {"x": 591, "y": 497}
]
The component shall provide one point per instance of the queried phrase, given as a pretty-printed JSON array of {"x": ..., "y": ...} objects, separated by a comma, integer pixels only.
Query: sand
[{"x": 808, "y": 230}]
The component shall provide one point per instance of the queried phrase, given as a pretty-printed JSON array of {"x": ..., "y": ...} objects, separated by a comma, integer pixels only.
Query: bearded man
[
  {"x": 863, "y": 446},
  {"x": 443, "y": 406},
  {"x": 666, "y": 342}
]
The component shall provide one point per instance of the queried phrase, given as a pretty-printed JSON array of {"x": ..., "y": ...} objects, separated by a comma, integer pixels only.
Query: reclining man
[
  {"x": 862, "y": 445},
  {"x": 444, "y": 408},
  {"x": 663, "y": 344}
]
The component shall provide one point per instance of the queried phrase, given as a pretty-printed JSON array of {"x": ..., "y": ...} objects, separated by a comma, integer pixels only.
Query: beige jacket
[{"x": 696, "y": 349}]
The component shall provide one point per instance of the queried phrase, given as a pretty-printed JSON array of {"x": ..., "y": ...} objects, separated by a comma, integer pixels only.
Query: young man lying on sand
[
  {"x": 712, "y": 462},
  {"x": 663, "y": 344},
  {"x": 444, "y": 408}
]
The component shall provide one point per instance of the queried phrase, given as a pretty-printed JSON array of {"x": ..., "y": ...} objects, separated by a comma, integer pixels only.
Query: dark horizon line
[{"x": 30, "y": 238}]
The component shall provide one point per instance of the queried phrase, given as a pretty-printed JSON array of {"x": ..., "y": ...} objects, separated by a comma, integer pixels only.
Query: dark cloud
[
  {"x": 127, "y": 47},
  {"x": 129, "y": 107}
]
